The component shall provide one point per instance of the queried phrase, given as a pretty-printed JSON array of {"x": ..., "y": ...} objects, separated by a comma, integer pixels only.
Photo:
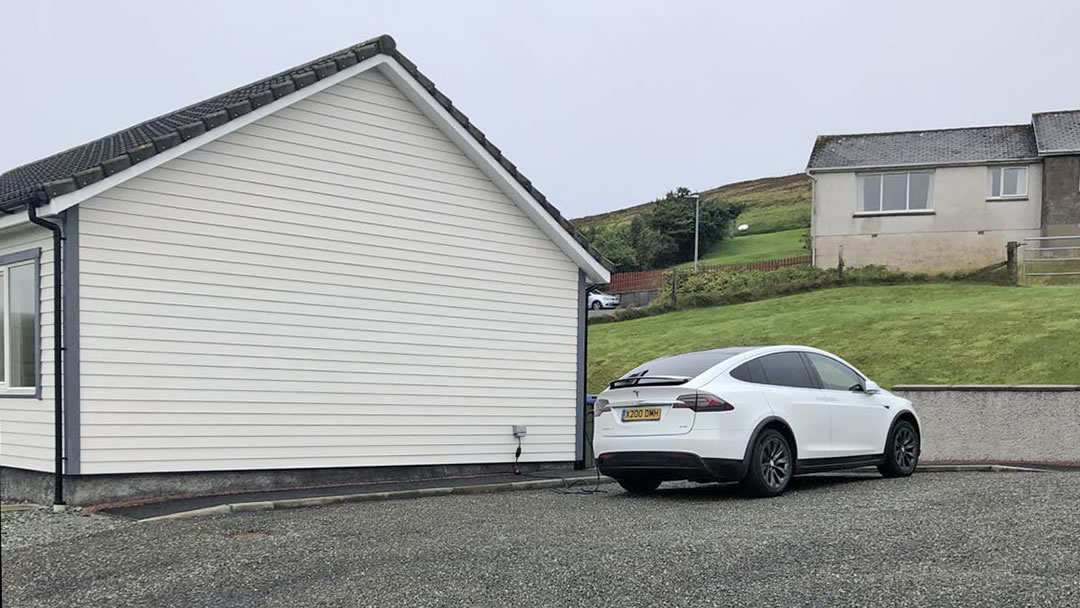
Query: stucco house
[
  {"x": 944, "y": 199},
  {"x": 290, "y": 283}
]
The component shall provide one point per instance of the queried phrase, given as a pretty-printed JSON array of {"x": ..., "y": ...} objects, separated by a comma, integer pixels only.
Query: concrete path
[
  {"x": 559, "y": 480},
  {"x": 172, "y": 508}
]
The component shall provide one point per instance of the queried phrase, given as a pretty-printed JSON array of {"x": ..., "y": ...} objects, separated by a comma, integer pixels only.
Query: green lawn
[
  {"x": 948, "y": 333},
  {"x": 755, "y": 247}
]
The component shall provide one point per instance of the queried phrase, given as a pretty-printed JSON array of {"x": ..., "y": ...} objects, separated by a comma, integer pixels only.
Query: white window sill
[
  {"x": 18, "y": 392},
  {"x": 998, "y": 199},
  {"x": 897, "y": 212}
]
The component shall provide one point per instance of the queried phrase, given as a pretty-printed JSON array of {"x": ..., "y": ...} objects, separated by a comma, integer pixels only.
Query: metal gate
[{"x": 1050, "y": 259}]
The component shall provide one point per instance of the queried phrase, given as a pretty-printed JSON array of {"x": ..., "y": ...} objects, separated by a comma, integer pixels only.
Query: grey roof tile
[
  {"x": 935, "y": 147},
  {"x": 1057, "y": 132}
]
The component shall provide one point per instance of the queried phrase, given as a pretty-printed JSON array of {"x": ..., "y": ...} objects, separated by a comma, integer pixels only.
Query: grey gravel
[
  {"x": 935, "y": 539},
  {"x": 38, "y": 527}
]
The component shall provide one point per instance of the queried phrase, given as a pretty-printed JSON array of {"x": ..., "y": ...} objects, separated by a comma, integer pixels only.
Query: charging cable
[{"x": 568, "y": 487}]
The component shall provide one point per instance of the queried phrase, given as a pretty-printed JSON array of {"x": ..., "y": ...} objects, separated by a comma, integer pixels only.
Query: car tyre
[
  {"x": 772, "y": 463},
  {"x": 596, "y": 305},
  {"x": 901, "y": 450},
  {"x": 639, "y": 485}
]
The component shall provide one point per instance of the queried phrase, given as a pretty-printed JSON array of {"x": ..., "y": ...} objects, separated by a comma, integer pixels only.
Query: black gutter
[
  {"x": 581, "y": 442},
  {"x": 58, "y": 349}
]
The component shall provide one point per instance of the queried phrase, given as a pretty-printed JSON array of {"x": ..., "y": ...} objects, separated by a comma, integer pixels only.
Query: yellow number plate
[{"x": 643, "y": 413}]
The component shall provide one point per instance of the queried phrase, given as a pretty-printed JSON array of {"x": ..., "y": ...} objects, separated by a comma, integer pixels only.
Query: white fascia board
[
  {"x": 594, "y": 270},
  {"x": 66, "y": 201}
]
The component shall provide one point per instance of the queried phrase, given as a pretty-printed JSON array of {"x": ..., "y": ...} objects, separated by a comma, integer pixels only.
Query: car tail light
[
  {"x": 704, "y": 402},
  {"x": 601, "y": 406}
]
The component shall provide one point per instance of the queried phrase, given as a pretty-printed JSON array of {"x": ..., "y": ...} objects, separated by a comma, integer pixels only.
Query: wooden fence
[{"x": 653, "y": 280}]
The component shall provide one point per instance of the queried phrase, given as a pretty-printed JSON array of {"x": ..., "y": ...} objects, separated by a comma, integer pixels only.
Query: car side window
[
  {"x": 750, "y": 371},
  {"x": 787, "y": 369},
  {"x": 834, "y": 374}
]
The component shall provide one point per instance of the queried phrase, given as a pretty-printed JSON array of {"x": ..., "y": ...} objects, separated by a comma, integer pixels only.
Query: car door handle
[{"x": 829, "y": 399}]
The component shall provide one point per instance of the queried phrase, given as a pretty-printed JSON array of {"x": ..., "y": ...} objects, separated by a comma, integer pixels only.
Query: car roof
[
  {"x": 732, "y": 356},
  {"x": 697, "y": 362},
  {"x": 756, "y": 351}
]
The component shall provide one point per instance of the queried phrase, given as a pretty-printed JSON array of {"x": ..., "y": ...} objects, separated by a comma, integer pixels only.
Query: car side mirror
[{"x": 869, "y": 387}]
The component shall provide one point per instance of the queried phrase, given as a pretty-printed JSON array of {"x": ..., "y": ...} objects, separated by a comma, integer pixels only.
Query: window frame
[
  {"x": 1000, "y": 171},
  {"x": 860, "y": 203},
  {"x": 29, "y": 257}
]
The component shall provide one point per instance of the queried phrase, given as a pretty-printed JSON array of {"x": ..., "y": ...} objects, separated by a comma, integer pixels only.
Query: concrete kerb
[
  {"x": 491, "y": 488},
  {"x": 976, "y": 468},
  {"x": 20, "y": 506},
  {"x": 314, "y": 501}
]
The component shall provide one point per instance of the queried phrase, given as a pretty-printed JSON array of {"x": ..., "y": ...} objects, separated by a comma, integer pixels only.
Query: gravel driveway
[{"x": 936, "y": 539}]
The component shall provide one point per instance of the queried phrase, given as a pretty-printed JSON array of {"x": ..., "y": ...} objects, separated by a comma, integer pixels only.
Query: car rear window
[
  {"x": 751, "y": 371},
  {"x": 688, "y": 364}
]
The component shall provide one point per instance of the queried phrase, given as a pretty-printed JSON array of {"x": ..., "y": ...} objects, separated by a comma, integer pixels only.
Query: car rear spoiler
[{"x": 659, "y": 380}]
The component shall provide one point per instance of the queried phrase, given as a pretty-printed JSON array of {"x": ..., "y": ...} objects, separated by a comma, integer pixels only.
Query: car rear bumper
[
  {"x": 707, "y": 438},
  {"x": 670, "y": 466}
]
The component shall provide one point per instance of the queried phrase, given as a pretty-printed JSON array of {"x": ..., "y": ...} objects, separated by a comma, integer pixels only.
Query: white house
[
  {"x": 303, "y": 280},
  {"x": 944, "y": 199}
]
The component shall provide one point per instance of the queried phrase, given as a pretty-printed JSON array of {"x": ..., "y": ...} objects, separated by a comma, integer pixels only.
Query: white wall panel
[{"x": 333, "y": 285}]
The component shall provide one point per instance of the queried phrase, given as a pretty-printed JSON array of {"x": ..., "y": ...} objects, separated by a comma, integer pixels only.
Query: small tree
[
  {"x": 673, "y": 216},
  {"x": 650, "y": 245},
  {"x": 663, "y": 234},
  {"x": 614, "y": 242}
]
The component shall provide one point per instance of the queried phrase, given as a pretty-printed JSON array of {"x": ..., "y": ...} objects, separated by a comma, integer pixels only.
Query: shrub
[{"x": 663, "y": 233}]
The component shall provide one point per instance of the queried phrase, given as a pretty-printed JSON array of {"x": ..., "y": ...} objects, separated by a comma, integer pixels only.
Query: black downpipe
[{"x": 58, "y": 349}]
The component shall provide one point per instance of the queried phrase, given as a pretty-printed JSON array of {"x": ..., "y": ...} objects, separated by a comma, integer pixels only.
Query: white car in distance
[
  {"x": 756, "y": 415},
  {"x": 599, "y": 300}
]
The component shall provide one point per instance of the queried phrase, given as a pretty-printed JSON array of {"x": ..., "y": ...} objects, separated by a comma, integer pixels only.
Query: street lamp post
[{"x": 697, "y": 226}]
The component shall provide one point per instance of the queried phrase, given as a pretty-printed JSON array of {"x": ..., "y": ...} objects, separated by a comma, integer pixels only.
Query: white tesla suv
[{"x": 757, "y": 415}]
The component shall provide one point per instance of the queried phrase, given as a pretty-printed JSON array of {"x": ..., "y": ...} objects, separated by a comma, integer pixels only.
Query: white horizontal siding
[
  {"x": 333, "y": 285},
  {"x": 26, "y": 424}
]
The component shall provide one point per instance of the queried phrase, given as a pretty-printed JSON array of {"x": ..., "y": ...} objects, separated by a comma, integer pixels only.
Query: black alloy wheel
[
  {"x": 902, "y": 451},
  {"x": 771, "y": 465}
]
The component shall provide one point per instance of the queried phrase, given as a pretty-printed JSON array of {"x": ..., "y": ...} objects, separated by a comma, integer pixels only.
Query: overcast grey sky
[{"x": 601, "y": 104}]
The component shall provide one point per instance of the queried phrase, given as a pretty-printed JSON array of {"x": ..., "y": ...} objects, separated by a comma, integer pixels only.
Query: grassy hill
[
  {"x": 755, "y": 247},
  {"x": 925, "y": 334},
  {"x": 773, "y": 204}
]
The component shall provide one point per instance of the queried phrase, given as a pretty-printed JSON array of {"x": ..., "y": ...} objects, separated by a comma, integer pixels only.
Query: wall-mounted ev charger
[{"x": 519, "y": 432}]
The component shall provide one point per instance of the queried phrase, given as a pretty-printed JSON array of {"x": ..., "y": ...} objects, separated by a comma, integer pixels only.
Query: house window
[
  {"x": 20, "y": 316},
  {"x": 1006, "y": 182},
  {"x": 896, "y": 192}
]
